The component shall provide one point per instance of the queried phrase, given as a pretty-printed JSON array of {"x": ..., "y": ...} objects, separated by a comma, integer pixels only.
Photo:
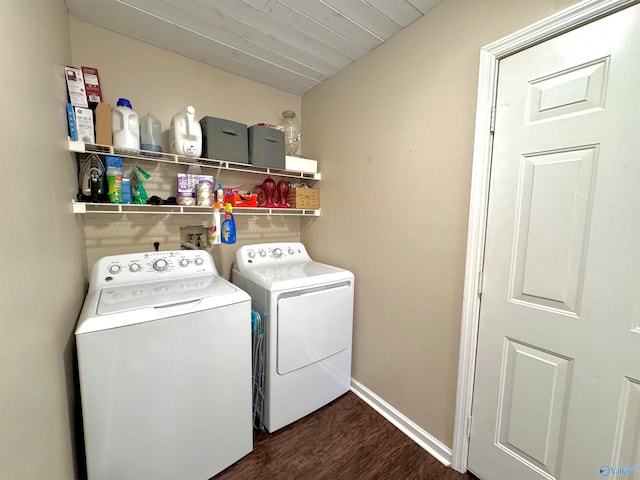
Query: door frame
[{"x": 490, "y": 56}]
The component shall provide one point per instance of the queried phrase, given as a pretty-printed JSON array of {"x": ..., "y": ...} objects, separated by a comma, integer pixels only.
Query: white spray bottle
[{"x": 214, "y": 232}]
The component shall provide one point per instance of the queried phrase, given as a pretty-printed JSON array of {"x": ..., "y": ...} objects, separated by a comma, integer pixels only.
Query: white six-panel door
[{"x": 557, "y": 386}]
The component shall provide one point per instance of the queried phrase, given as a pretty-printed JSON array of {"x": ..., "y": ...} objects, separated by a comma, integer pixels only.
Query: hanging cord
[{"x": 258, "y": 369}]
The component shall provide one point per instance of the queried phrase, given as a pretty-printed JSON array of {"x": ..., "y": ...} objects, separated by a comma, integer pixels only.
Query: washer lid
[
  {"x": 295, "y": 275},
  {"x": 157, "y": 294}
]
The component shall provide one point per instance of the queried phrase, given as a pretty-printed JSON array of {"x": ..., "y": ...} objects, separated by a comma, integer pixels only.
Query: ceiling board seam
[
  {"x": 419, "y": 13},
  {"x": 231, "y": 47},
  {"x": 354, "y": 22},
  {"x": 284, "y": 2},
  {"x": 278, "y": 38},
  {"x": 286, "y": 57}
]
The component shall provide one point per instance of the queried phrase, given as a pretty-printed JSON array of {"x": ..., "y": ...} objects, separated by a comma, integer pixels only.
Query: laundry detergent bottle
[
  {"x": 150, "y": 133},
  {"x": 125, "y": 125},
  {"x": 185, "y": 133},
  {"x": 228, "y": 226}
]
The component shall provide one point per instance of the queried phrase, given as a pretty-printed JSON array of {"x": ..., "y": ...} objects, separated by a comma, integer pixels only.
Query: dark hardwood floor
[{"x": 345, "y": 440}]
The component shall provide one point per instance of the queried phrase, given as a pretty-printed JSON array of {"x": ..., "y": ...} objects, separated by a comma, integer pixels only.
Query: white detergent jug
[
  {"x": 150, "y": 133},
  {"x": 185, "y": 133},
  {"x": 125, "y": 125}
]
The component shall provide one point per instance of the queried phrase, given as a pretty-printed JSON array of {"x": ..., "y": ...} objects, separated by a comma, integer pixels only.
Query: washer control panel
[
  {"x": 250, "y": 257},
  {"x": 150, "y": 266}
]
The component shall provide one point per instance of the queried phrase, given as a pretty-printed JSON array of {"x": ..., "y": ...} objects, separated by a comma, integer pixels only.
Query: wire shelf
[
  {"x": 113, "y": 208},
  {"x": 81, "y": 147}
]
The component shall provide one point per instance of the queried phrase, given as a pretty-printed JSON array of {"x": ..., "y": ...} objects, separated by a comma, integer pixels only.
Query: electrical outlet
[
  {"x": 197, "y": 236},
  {"x": 152, "y": 244}
]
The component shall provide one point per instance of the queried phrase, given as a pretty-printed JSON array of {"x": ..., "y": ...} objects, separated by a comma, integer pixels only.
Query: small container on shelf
[
  {"x": 291, "y": 127},
  {"x": 304, "y": 198}
]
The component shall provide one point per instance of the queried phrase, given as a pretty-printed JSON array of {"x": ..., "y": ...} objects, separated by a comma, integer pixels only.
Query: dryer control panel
[
  {"x": 150, "y": 266},
  {"x": 250, "y": 257}
]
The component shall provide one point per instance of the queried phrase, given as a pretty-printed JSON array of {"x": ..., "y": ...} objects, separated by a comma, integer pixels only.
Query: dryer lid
[
  {"x": 295, "y": 275},
  {"x": 279, "y": 266}
]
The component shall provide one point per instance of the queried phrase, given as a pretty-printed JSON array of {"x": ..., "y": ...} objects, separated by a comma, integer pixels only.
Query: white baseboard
[{"x": 427, "y": 441}]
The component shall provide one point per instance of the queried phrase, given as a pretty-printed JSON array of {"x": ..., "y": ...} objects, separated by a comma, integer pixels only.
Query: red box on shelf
[
  {"x": 92, "y": 84},
  {"x": 248, "y": 200}
]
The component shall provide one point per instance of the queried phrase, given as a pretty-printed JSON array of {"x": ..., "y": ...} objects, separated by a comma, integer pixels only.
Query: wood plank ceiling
[{"x": 291, "y": 45}]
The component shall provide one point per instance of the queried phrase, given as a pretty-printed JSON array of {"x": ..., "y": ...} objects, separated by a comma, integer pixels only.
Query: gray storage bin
[
  {"x": 224, "y": 140},
  {"x": 266, "y": 147}
]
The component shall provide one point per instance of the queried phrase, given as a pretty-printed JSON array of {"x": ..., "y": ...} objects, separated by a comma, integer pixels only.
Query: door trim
[{"x": 490, "y": 55}]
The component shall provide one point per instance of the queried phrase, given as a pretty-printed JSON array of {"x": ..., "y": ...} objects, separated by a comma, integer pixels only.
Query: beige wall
[
  {"x": 41, "y": 246},
  {"x": 164, "y": 83},
  {"x": 395, "y": 133}
]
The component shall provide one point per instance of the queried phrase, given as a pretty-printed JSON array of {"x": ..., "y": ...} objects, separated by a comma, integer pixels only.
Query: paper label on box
[
  {"x": 75, "y": 87},
  {"x": 92, "y": 84},
  {"x": 84, "y": 125}
]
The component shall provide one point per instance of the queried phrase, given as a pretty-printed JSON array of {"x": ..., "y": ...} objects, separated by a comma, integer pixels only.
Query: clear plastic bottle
[
  {"x": 150, "y": 133},
  {"x": 291, "y": 127}
]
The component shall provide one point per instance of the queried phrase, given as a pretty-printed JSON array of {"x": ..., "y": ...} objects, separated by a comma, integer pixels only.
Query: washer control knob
[
  {"x": 252, "y": 254},
  {"x": 277, "y": 252},
  {"x": 184, "y": 262},
  {"x": 160, "y": 265},
  {"x": 290, "y": 251},
  {"x": 198, "y": 261},
  {"x": 134, "y": 267},
  {"x": 262, "y": 253},
  {"x": 113, "y": 269}
]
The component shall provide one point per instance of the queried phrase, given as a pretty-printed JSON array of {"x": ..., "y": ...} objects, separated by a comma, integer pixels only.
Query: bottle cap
[{"x": 124, "y": 102}]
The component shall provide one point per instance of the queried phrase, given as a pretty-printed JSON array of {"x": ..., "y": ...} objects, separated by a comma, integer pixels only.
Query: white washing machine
[
  {"x": 164, "y": 356},
  {"x": 308, "y": 312}
]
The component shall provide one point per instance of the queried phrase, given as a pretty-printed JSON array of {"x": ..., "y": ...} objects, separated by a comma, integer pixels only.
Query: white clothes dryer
[
  {"x": 164, "y": 358},
  {"x": 308, "y": 313}
]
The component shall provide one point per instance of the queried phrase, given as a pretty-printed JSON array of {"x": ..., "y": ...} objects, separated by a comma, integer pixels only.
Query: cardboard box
[
  {"x": 84, "y": 125},
  {"x": 92, "y": 84},
  {"x": 306, "y": 198},
  {"x": 75, "y": 87},
  {"x": 104, "y": 132}
]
